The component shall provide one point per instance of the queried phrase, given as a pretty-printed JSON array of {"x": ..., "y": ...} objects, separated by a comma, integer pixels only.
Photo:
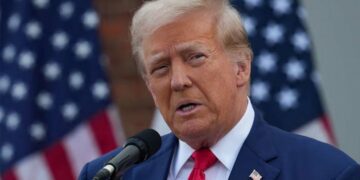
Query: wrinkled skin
[{"x": 185, "y": 64}]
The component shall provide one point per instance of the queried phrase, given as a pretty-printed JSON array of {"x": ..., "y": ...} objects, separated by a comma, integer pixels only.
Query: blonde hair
[{"x": 155, "y": 14}]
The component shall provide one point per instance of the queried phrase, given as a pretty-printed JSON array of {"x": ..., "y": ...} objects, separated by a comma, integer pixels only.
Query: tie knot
[{"x": 203, "y": 158}]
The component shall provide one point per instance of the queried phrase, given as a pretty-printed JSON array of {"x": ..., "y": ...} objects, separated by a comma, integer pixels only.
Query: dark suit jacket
[{"x": 275, "y": 154}]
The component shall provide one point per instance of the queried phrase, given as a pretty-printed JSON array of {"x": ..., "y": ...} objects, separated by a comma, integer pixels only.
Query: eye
[
  {"x": 198, "y": 57},
  {"x": 159, "y": 70}
]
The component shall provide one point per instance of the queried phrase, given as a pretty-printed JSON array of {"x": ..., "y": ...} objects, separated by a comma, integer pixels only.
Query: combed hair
[{"x": 155, "y": 14}]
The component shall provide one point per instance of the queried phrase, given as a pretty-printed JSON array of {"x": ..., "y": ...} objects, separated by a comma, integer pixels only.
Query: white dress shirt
[{"x": 225, "y": 150}]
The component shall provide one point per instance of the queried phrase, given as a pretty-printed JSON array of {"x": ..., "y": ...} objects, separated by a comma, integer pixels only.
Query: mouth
[{"x": 186, "y": 108}]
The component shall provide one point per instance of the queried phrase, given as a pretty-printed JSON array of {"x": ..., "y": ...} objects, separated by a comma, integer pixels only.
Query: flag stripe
[
  {"x": 83, "y": 139},
  {"x": 79, "y": 142},
  {"x": 116, "y": 126},
  {"x": 105, "y": 139},
  {"x": 58, "y": 162},
  {"x": 9, "y": 175},
  {"x": 33, "y": 167},
  {"x": 327, "y": 125},
  {"x": 315, "y": 130}
]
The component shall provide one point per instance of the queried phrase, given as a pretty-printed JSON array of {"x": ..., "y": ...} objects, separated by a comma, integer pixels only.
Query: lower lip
[{"x": 187, "y": 113}]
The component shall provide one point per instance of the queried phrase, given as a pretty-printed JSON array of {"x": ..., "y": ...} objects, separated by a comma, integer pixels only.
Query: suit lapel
[
  {"x": 247, "y": 161},
  {"x": 257, "y": 153},
  {"x": 157, "y": 167}
]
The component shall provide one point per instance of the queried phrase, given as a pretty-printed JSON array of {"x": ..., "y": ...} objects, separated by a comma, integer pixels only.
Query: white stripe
[
  {"x": 159, "y": 124},
  {"x": 81, "y": 147},
  {"x": 314, "y": 129},
  {"x": 33, "y": 167},
  {"x": 116, "y": 125}
]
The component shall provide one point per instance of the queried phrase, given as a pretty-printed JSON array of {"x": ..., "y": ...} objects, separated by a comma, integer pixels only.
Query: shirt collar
[{"x": 225, "y": 149}]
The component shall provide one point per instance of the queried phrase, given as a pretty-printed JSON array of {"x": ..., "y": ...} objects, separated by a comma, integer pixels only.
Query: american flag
[
  {"x": 284, "y": 82},
  {"x": 255, "y": 175},
  {"x": 55, "y": 108}
]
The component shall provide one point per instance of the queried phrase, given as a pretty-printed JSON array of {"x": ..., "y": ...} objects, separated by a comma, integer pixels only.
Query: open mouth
[{"x": 186, "y": 107}]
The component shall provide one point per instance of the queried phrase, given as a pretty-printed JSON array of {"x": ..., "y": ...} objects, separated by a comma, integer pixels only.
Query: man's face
[{"x": 192, "y": 80}]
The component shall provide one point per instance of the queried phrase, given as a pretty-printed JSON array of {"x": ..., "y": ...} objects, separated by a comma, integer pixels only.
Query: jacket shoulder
[{"x": 310, "y": 155}]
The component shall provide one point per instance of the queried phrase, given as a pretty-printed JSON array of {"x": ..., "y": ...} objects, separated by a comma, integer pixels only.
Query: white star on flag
[
  {"x": 59, "y": 40},
  {"x": 260, "y": 91},
  {"x": 19, "y": 91},
  {"x": 76, "y": 80},
  {"x": 100, "y": 90},
  {"x": 273, "y": 33},
  {"x": 33, "y": 29},
  {"x": 90, "y": 19},
  {"x": 40, "y": 3},
  {"x": 8, "y": 53},
  {"x": 52, "y": 71},
  {"x": 14, "y": 22},
  {"x": 281, "y": 6},
  {"x": 301, "y": 41},
  {"x": 4, "y": 84},
  {"x": 253, "y": 3},
  {"x": 287, "y": 98},
  {"x": 250, "y": 25},
  {"x": 294, "y": 70},
  {"x": 66, "y": 10},
  {"x": 7, "y": 152},
  {"x": 12, "y": 121},
  {"x": 26, "y": 59},
  {"x": 37, "y": 131},
  {"x": 82, "y": 49},
  {"x": 266, "y": 62},
  {"x": 44, "y": 100},
  {"x": 70, "y": 111}
]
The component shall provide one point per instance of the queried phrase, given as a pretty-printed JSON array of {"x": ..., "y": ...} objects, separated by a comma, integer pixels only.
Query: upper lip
[{"x": 184, "y": 102}]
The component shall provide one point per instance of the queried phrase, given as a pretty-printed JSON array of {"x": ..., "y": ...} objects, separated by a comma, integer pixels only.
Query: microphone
[{"x": 137, "y": 148}]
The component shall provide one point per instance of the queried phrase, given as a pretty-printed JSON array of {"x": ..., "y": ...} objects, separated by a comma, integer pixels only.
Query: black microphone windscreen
[
  {"x": 137, "y": 149},
  {"x": 150, "y": 137}
]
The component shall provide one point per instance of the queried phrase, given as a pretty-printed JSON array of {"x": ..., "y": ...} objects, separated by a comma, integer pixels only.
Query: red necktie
[{"x": 203, "y": 158}]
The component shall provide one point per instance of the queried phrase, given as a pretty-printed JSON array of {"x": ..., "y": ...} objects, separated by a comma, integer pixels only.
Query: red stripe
[
  {"x": 328, "y": 128},
  {"x": 58, "y": 162},
  {"x": 9, "y": 175},
  {"x": 101, "y": 127}
]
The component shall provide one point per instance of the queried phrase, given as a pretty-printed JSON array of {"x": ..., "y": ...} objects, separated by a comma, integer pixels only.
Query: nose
[{"x": 179, "y": 78}]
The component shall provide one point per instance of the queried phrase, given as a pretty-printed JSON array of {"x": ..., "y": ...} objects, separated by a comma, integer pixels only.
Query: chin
[{"x": 196, "y": 137}]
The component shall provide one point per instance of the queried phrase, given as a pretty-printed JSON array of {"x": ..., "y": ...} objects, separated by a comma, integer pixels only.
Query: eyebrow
[
  {"x": 182, "y": 47},
  {"x": 191, "y": 46},
  {"x": 155, "y": 58}
]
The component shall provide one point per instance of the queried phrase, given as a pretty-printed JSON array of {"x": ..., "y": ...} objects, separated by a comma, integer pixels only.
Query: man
[{"x": 195, "y": 58}]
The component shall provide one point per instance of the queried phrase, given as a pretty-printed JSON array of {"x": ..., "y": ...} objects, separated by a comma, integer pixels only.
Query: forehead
[{"x": 193, "y": 29}]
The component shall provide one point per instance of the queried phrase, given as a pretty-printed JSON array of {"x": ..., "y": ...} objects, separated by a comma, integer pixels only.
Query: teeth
[{"x": 188, "y": 108}]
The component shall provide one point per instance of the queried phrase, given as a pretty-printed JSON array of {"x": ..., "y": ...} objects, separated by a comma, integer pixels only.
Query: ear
[{"x": 243, "y": 66}]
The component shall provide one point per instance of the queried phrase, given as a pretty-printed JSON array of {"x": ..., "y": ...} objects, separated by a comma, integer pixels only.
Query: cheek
[
  {"x": 219, "y": 86},
  {"x": 161, "y": 95}
]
